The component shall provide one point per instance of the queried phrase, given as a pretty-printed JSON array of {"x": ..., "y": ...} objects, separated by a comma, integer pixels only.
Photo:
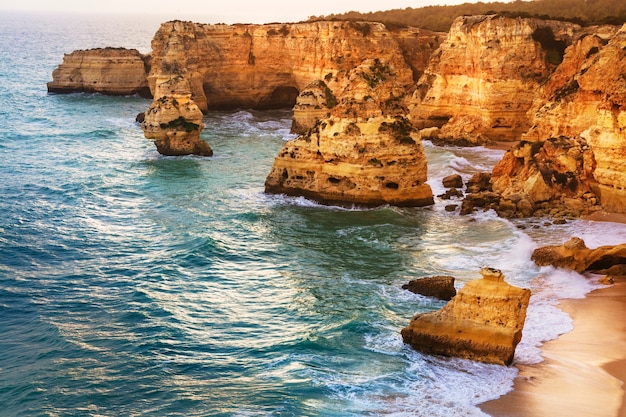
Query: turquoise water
[{"x": 133, "y": 284}]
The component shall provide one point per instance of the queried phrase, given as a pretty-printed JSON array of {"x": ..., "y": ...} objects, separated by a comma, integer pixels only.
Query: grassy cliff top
[{"x": 439, "y": 18}]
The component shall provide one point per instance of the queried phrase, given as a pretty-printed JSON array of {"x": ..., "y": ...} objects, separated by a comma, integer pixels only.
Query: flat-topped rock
[
  {"x": 483, "y": 322},
  {"x": 111, "y": 71}
]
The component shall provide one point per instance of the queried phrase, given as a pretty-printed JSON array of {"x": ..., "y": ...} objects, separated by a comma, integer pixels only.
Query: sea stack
[
  {"x": 364, "y": 152},
  {"x": 483, "y": 322},
  {"x": 110, "y": 71},
  {"x": 174, "y": 121}
]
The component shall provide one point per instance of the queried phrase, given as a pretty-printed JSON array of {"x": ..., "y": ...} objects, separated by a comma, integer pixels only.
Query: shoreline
[{"x": 584, "y": 371}]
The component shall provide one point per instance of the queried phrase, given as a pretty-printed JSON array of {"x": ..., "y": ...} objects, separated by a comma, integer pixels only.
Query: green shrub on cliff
[
  {"x": 180, "y": 124},
  {"x": 439, "y": 18}
]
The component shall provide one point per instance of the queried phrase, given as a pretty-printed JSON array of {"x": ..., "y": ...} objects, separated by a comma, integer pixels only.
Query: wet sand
[{"x": 584, "y": 371}]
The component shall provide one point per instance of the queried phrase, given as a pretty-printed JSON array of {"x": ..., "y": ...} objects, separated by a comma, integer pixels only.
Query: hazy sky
[{"x": 226, "y": 11}]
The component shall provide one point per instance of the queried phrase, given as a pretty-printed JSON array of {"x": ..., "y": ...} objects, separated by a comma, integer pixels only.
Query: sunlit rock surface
[
  {"x": 481, "y": 82},
  {"x": 365, "y": 152},
  {"x": 174, "y": 121},
  {"x": 483, "y": 322},
  {"x": 575, "y": 255},
  {"x": 112, "y": 71}
]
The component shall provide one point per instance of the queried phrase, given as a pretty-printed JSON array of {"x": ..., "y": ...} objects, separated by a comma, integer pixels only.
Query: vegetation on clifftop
[{"x": 439, "y": 18}]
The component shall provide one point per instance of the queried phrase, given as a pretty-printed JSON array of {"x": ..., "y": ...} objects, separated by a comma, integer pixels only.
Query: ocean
[{"x": 133, "y": 284}]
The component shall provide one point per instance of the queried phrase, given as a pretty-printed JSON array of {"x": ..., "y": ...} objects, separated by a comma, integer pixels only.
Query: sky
[{"x": 221, "y": 11}]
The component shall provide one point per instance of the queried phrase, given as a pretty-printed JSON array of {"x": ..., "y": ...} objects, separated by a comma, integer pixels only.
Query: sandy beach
[{"x": 584, "y": 371}]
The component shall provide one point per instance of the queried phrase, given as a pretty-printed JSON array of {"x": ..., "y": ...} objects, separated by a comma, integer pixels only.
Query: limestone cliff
[
  {"x": 112, "y": 71},
  {"x": 483, "y": 322},
  {"x": 586, "y": 98},
  {"x": 481, "y": 82},
  {"x": 267, "y": 66},
  {"x": 364, "y": 152},
  {"x": 572, "y": 160}
]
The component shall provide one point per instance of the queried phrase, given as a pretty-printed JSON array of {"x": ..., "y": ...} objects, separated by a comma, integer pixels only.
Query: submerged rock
[
  {"x": 441, "y": 287},
  {"x": 483, "y": 322}
]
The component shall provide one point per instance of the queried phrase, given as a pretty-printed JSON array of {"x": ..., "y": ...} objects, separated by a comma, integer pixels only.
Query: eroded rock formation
[
  {"x": 269, "y": 66},
  {"x": 575, "y": 255},
  {"x": 313, "y": 104},
  {"x": 174, "y": 121},
  {"x": 112, "y": 71},
  {"x": 343, "y": 162},
  {"x": 482, "y": 80},
  {"x": 547, "y": 178},
  {"x": 483, "y": 322},
  {"x": 365, "y": 153},
  {"x": 572, "y": 161}
]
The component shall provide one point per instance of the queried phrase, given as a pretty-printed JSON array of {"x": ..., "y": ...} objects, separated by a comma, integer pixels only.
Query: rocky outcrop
[
  {"x": 543, "y": 178},
  {"x": 313, "y": 104},
  {"x": 571, "y": 161},
  {"x": 481, "y": 82},
  {"x": 483, "y": 322},
  {"x": 575, "y": 255},
  {"x": 343, "y": 162},
  {"x": 112, "y": 71},
  {"x": 270, "y": 66},
  {"x": 586, "y": 98},
  {"x": 441, "y": 287},
  {"x": 174, "y": 121},
  {"x": 365, "y": 153}
]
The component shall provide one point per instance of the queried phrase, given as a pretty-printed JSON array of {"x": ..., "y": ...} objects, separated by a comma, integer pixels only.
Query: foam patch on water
[
  {"x": 428, "y": 386},
  {"x": 544, "y": 320}
]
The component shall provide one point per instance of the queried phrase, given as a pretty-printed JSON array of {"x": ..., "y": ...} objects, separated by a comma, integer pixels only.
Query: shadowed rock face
[
  {"x": 483, "y": 322},
  {"x": 483, "y": 79},
  {"x": 111, "y": 71},
  {"x": 441, "y": 287}
]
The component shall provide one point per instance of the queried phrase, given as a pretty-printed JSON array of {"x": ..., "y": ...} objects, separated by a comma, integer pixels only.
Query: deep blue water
[{"x": 133, "y": 284}]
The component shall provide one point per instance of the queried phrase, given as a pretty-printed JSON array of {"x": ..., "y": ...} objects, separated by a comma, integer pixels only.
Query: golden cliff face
[
  {"x": 483, "y": 79},
  {"x": 279, "y": 65},
  {"x": 586, "y": 97},
  {"x": 112, "y": 71},
  {"x": 267, "y": 66}
]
